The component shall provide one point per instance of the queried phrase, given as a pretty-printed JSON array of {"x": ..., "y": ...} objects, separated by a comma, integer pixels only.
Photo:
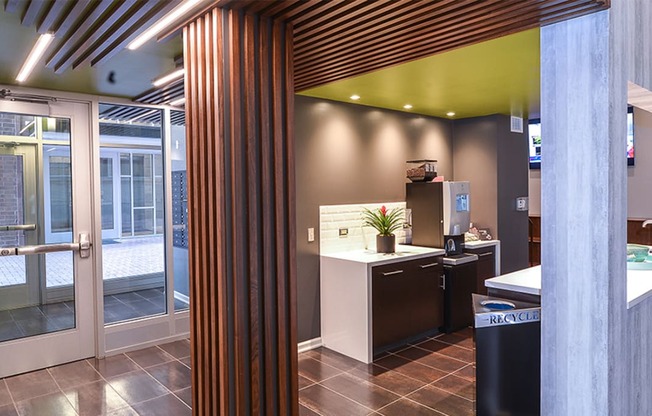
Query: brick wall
[
  {"x": 9, "y": 124},
  {"x": 11, "y": 198}
]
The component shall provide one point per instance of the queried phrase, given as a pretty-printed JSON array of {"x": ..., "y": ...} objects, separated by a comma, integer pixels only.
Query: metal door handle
[
  {"x": 18, "y": 227},
  {"x": 83, "y": 247},
  {"x": 485, "y": 254},
  {"x": 443, "y": 281},
  {"x": 393, "y": 273},
  {"x": 425, "y": 266}
]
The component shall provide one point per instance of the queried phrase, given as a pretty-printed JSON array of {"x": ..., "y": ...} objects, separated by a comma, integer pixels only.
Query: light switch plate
[
  {"x": 344, "y": 232},
  {"x": 522, "y": 203},
  {"x": 311, "y": 235}
]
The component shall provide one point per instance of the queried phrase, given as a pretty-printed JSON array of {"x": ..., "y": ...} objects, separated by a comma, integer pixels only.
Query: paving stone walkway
[{"x": 120, "y": 258}]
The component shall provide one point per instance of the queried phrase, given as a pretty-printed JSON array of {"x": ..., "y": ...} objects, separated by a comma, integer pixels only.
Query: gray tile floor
[
  {"x": 152, "y": 381},
  {"x": 120, "y": 258}
]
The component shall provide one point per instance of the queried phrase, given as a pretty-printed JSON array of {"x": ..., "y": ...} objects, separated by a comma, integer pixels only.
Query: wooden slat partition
[{"x": 239, "y": 108}]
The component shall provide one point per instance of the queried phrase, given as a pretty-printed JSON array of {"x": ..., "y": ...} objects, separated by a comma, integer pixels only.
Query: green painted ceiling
[{"x": 498, "y": 76}]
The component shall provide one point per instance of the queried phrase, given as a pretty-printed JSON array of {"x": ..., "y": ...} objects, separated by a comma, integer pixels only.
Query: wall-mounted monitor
[{"x": 534, "y": 139}]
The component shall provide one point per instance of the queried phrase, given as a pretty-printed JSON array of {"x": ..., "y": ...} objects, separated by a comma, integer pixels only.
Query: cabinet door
[
  {"x": 486, "y": 266},
  {"x": 407, "y": 300}
]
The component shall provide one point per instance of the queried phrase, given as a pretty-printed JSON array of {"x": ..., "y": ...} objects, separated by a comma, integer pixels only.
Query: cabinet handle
[
  {"x": 443, "y": 281},
  {"x": 485, "y": 254},
  {"x": 426, "y": 266},
  {"x": 393, "y": 273}
]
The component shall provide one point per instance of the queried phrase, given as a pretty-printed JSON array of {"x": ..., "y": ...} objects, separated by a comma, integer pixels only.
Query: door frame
[{"x": 81, "y": 341}]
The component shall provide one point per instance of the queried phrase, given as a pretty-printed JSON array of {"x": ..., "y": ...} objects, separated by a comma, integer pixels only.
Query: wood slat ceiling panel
[
  {"x": 162, "y": 95},
  {"x": 345, "y": 47},
  {"x": 88, "y": 32},
  {"x": 337, "y": 39}
]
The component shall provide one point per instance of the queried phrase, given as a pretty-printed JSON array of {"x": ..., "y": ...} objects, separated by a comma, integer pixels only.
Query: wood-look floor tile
[
  {"x": 332, "y": 358},
  {"x": 316, "y": 370},
  {"x": 167, "y": 405},
  {"x": 457, "y": 340},
  {"x": 304, "y": 382},
  {"x": 74, "y": 374},
  {"x": 47, "y": 405},
  {"x": 458, "y": 385},
  {"x": 304, "y": 411},
  {"x": 405, "y": 407},
  {"x": 26, "y": 386},
  {"x": 137, "y": 387},
  {"x": 411, "y": 368},
  {"x": 360, "y": 391},
  {"x": 178, "y": 349},
  {"x": 328, "y": 403},
  {"x": 113, "y": 366},
  {"x": 443, "y": 401},
  {"x": 432, "y": 359},
  {"x": 458, "y": 353},
  {"x": 173, "y": 375},
  {"x": 94, "y": 399},
  {"x": 8, "y": 410},
  {"x": 5, "y": 398},
  {"x": 150, "y": 356},
  {"x": 388, "y": 379},
  {"x": 467, "y": 372},
  {"x": 185, "y": 395},
  {"x": 127, "y": 411}
]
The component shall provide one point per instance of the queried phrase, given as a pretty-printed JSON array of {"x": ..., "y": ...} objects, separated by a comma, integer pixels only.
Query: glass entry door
[{"x": 46, "y": 262}]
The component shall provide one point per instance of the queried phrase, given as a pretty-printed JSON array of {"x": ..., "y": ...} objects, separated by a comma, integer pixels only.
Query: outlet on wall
[
  {"x": 344, "y": 232},
  {"x": 311, "y": 235}
]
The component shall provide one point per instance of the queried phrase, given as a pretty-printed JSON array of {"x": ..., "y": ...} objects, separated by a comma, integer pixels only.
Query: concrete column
[{"x": 583, "y": 178}]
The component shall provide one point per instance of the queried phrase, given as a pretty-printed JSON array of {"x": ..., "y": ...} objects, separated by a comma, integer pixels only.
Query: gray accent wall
[
  {"x": 495, "y": 161},
  {"x": 346, "y": 154}
]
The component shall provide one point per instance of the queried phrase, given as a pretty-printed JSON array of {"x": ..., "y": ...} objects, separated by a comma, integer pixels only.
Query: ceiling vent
[{"x": 516, "y": 124}]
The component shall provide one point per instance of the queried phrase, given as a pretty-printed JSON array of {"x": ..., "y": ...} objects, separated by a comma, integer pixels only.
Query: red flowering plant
[{"x": 384, "y": 221}]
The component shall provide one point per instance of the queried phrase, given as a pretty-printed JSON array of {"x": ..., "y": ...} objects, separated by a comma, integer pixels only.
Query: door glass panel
[
  {"x": 60, "y": 193},
  {"x": 179, "y": 211},
  {"x": 36, "y": 291},
  {"x": 106, "y": 179},
  {"x": 134, "y": 264}
]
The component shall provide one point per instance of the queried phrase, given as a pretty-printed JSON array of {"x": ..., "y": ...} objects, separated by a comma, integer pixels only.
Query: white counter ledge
[
  {"x": 481, "y": 243},
  {"x": 370, "y": 257},
  {"x": 639, "y": 283}
]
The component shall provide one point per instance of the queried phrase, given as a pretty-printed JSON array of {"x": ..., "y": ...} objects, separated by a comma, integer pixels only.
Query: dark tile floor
[
  {"x": 435, "y": 376},
  {"x": 33, "y": 320},
  {"x": 153, "y": 381}
]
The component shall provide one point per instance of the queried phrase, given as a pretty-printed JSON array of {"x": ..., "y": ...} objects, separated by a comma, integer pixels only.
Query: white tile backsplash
[{"x": 334, "y": 217}]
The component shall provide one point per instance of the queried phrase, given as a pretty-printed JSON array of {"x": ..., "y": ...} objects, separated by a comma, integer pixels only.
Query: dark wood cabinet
[
  {"x": 486, "y": 266},
  {"x": 407, "y": 300}
]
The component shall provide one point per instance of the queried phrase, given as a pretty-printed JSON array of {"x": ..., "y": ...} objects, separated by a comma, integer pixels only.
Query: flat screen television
[{"x": 534, "y": 140}]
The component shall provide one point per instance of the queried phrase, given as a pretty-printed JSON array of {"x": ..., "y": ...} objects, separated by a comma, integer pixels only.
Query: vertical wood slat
[{"x": 239, "y": 91}]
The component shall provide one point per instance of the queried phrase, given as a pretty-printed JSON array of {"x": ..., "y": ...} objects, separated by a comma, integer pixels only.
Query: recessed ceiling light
[
  {"x": 355, "y": 97},
  {"x": 168, "y": 77},
  {"x": 408, "y": 106},
  {"x": 35, "y": 54},
  {"x": 164, "y": 22},
  {"x": 178, "y": 101},
  {"x": 450, "y": 113}
]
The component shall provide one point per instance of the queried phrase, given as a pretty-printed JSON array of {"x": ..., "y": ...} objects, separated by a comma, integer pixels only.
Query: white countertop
[
  {"x": 371, "y": 257},
  {"x": 480, "y": 243},
  {"x": 639, "y": 283}
]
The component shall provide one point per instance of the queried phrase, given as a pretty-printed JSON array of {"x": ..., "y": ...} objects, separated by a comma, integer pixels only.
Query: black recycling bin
[{"x": 508, "y": 357}]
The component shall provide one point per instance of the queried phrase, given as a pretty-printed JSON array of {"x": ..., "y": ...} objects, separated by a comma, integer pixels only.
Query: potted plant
[{"x": 385, "y": 222}]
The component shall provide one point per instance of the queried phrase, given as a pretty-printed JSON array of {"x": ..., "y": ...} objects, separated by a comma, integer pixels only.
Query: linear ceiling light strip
[
  {"x": 35, "y": 54},
  {"x": 164, "y": 22}
]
